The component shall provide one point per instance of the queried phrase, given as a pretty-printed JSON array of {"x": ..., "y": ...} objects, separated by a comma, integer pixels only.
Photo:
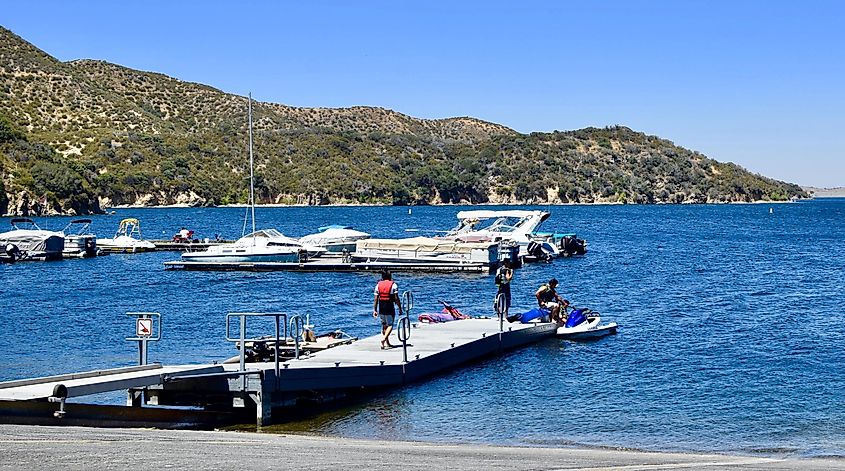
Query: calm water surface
[{"x": 731, "y": 333}]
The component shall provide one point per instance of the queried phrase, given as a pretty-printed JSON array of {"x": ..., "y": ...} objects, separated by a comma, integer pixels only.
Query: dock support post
[
  {"x": 263, "y": 408},
  {"x": 134, "y": 398}
]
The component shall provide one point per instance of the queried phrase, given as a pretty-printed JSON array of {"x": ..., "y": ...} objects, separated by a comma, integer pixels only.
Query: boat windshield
[
  {"x": 502, "y": 224},
  {"x": 266, "y": 233}
]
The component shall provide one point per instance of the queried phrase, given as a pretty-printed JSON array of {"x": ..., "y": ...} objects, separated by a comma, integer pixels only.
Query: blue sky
[{"x": 759, "y": 83}]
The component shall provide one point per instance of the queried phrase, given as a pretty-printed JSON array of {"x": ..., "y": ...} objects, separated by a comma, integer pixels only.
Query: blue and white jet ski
[{"x": 585, "y": 324}]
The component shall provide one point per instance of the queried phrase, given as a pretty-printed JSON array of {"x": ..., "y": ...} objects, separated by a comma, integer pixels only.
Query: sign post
[{"x": 147, "y": 328}]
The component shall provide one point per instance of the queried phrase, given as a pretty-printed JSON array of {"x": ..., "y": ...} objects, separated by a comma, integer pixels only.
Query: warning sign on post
[{"x": 144, "y": 327}]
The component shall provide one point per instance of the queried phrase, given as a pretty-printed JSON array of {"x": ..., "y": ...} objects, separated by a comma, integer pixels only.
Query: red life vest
[{"x": 384, "y": 287}]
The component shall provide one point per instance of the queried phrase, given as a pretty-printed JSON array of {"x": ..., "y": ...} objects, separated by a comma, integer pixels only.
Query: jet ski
[{"x": 585, "y": 324}]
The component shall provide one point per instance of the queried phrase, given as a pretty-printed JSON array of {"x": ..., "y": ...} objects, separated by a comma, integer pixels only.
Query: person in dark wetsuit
[
  {"x": 386, "y": 295},
  {"x": 504, "y": 276}
]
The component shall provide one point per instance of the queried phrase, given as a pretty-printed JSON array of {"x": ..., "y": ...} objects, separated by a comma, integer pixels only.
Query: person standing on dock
[
  {"x": 504, "y": 275},
  {"x": 386, "y": 295}
]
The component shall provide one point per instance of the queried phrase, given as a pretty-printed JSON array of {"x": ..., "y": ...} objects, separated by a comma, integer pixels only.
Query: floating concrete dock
[
  {"x": 332, "y": 264},
  {"x": 233, "y": 392}
]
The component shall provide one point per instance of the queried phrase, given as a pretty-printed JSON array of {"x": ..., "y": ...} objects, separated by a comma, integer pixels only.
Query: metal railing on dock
[{"x": 242, "y": 339}]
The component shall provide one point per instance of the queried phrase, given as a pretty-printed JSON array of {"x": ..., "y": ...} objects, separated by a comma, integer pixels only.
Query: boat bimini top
[
  {"x": 81, "y": 226},
  {"x": 128, "y": 227}
]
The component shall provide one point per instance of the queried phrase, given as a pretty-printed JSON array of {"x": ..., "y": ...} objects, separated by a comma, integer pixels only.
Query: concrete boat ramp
[{"x": 213, "y": 394}]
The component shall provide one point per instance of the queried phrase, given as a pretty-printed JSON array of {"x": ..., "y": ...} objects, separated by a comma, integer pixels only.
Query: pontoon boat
[{"x": 78, "y": 241}]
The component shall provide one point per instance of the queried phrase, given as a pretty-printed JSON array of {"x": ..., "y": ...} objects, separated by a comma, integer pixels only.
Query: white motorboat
[
  {"x": 585, "y": 324},
  {"x": 266, "y": 245},
  {"x": 78, "y": 241},
  {"x": 514, "y": 226},
  {"x": 426, "y": 249},
  {"x": 27, "y": 241},
  {"x": 335, "y": 239},
  {"x": 127, "y": 239}
]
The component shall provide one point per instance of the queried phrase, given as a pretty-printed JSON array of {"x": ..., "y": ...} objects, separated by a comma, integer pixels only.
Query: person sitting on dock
[
  {"x": 386, "y": 295},
  {"x": 548, "y": 298}
]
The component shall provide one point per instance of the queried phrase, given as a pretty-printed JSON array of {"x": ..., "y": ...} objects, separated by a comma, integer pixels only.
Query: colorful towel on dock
[
  {"x": 449, "y": 313},
  {"x": 435, "y": 317}
]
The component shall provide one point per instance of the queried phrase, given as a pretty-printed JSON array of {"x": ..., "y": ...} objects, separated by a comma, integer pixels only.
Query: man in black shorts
[{"x": 386, "y": 295}]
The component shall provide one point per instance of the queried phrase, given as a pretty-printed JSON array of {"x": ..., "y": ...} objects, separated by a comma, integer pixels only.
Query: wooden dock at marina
[{"x": 231, "y": 392}]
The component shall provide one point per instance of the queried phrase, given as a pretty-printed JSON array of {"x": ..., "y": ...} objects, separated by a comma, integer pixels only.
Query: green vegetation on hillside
[
  {"x": 52, "y": 184},
  {"x": 95, "y": 130}
]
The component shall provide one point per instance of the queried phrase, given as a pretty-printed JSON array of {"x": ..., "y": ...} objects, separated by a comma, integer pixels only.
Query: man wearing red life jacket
[{"x": 386, "y": 295}]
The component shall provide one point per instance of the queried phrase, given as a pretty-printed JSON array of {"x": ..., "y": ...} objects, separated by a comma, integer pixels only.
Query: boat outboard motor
[
  {"x": 572, "y": 245},
  {"x": 536, "y": 250},
  {"x": 13, "y": 252},
  {"x": 90, "y": 247}
]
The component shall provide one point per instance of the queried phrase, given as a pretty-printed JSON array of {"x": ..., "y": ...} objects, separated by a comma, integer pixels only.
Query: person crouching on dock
[{"x": 386, "y": 295}]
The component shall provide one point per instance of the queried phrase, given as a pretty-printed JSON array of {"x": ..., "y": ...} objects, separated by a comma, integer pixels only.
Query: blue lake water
[{"x": 731, "y": 337}]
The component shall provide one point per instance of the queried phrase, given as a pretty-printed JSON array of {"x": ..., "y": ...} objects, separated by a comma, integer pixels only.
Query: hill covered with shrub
[{"x": 80, "y": 135}]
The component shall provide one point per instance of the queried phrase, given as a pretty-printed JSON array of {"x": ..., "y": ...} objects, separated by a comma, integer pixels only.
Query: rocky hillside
[{"x": 84, "y": 134}]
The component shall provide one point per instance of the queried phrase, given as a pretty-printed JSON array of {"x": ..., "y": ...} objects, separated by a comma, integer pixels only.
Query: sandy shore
[{"x": 69, "y": 448}]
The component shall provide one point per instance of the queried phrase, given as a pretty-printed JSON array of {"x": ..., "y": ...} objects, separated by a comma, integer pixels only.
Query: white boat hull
[
  {"x": 245, "y": 258},
  {"x": 125, "y": 244},
  {"x": 593, "y": 328}
]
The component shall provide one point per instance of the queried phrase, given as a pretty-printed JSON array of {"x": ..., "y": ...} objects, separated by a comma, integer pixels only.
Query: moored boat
[
  {"x": 335, "y": 239},
  {"x": 127, "y": 239},
  {"x": 427, "y": 249},
  {"x": 27, "y": 241},
  {"x": 78, "y": 241},
  {"x": 511, "y": 226},
  {"x": 266, "y": 245}
]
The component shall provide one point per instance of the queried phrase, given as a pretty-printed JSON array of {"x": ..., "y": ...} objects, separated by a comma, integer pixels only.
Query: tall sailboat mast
[{"x": 251, "y": 176}]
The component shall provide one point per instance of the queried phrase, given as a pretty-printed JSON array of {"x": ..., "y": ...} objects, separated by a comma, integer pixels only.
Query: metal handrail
[
  {"x": 404, "y": 333},
  {"x": 243, "y": 316},
  {"x": 297, "y": 329},
  {"x": 404, "y": 327},
  {"x": 501, "y": 307},
  {"x": 408, "y": 302}
]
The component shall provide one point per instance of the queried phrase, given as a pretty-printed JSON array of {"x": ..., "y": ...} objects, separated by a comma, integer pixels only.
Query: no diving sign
[{"x": 144, "y": 327}]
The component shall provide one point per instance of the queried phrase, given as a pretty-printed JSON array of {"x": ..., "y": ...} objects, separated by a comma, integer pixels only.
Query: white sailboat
[{"x": 265, "y": 245}]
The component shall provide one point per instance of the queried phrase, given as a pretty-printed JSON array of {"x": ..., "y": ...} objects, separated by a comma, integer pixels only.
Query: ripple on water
[{"x": 730, "y": 334}]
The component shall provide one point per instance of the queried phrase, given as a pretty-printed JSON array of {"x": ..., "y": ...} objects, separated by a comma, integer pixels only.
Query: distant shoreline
[
  {"x": 369, "y": 205},
  {"x": 836, "y": 192}
]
